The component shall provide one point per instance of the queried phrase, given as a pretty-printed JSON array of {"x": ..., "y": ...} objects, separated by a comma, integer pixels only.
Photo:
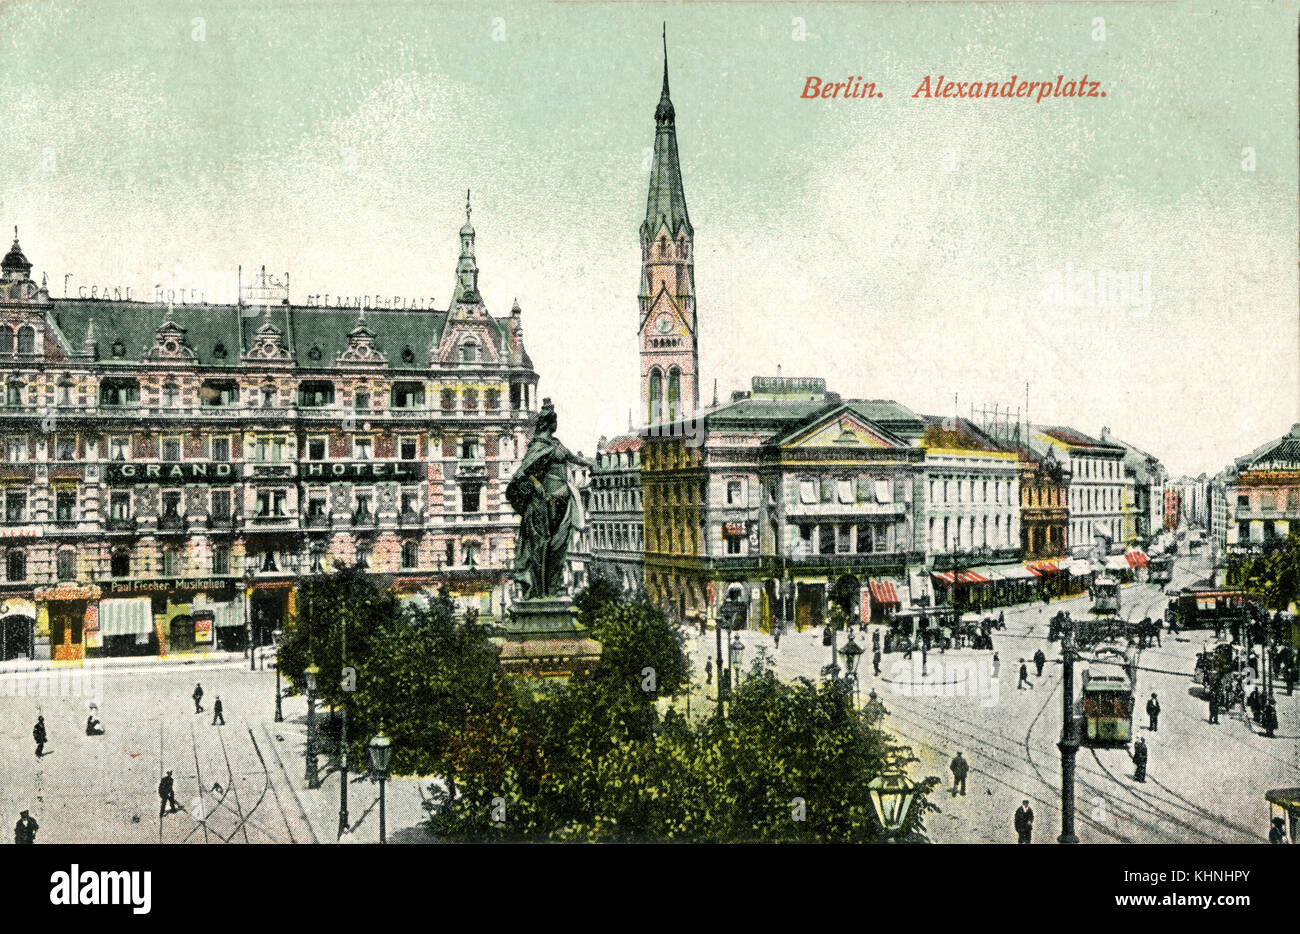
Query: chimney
[{"x": 1105, "y": 433}]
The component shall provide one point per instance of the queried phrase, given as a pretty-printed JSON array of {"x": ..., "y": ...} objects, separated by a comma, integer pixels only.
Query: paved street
[{"x": 1204, "y": 783}]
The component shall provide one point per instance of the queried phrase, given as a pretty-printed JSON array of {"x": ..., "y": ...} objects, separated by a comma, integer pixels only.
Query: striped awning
[
  {"x": 131, "y": 616},
  {"x": 1043, "y": 567},
  {"x": 883, "y": 592},
  {"x": 230, "y": 613},
  {"x": 1136, "y": 559},
  {"x": 1018, "y": 572},
  {"x": 964, "y": 577}
]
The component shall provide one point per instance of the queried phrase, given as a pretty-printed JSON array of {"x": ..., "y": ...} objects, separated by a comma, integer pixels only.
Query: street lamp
[
  {"x": 891, "y": 795},
  {"x": 276, "y": 636},
  {"x": 381, "y": 750},
  {"x": 313, "y": 779},
  {"x": 734, "y": 651}
]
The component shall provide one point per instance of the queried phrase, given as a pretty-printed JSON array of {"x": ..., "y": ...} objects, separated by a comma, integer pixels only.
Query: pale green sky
[{"x": 897, "y": 247}]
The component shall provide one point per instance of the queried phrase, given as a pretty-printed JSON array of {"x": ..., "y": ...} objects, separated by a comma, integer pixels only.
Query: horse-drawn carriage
[{"x": 933, "y": 628}]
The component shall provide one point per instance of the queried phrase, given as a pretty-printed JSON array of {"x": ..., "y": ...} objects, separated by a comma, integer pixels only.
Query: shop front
[
  {"x": 64, "y": 616},
  {"x": 126, "y": 627},
  {"x": 167, "y": 616}
]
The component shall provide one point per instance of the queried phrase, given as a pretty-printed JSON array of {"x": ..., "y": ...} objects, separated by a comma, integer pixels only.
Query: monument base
[{"x": 544, "y": 639}]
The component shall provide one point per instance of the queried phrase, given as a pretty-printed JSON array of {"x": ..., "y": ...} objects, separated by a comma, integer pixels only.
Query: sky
[{"x": 933, "y": 251}]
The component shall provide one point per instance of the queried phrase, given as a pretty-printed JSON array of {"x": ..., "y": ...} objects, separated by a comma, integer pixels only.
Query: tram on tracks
[
  {"x": 1160, "y": 570},
  {"x": 1105, "y": 596},
  {"x": 1110, "y": 682}
]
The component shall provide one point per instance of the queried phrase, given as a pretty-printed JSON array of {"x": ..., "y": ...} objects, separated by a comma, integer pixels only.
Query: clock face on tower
[{"x": 664, "y": 325}]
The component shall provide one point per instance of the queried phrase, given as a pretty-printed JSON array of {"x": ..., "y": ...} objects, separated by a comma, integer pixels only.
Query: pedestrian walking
[
  {"x": 25, "y": 829},
  {"x": 1276, "y": 833},
  {"x": 703, "y": 626},
  {"x": 1002, "y": 620},
  {"x": 875, "y": 662},
  {"x": 1039, "y": 661},
  {"x": 1255, "y": 703},
  {"x": 875, "y": 640},
  {"x": 1214, "y": 706},
  {"x": 1158, "y": 624},
  {"x": 997, "y": 664},
  {"x": 1140, "y": 760},
  {"x": 959, "y": 770},
  {"x": 38, "y": 734},
  {"x": 708, "y": 671},
  {"x": 167, "y": 795},
  {"x": 1024, "y": 822},
  {"x": 1269, "y": 719},
  {"x": 198, "y": 698},
  {"x": 216, "y": 712},
  {"x": 1024, "y": 677},
  {"x": 1153, "y": 713}
]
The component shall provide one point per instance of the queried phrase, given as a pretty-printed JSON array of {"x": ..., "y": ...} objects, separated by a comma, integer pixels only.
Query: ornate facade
[{"x": 169, "y": 472}]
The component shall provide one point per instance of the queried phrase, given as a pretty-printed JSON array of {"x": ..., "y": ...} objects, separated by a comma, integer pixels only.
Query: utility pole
[{"x": 1069, "y": 744}]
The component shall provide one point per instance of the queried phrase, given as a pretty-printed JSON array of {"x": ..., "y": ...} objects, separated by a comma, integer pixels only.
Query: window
[
  {"x": 828, "y": 491},
  {"x": 807, "y": 491},
  {"x": 171, "y": 449},
  {"x": 316, "y": 505},
  {"x": 865, "y": 537},
  {"x": 492, "y": 400},
  {"x": 170, "y": 395},
  {"x": 65, "y": 392},
  {"x": 220, "y": 449},
  {"x": 469, "y": 352},
  {"x": 361, "y": 400},
  {"x": 171, "y": 505},
  {"x": 221, "y": 504},
  {"x": 65, "y": 505},
  {"x": 119, "y": 447},
  {"x": 408, "y": 448},
  {"x": 221, "y": 560},
  {"x": 16, "y": 565},
  {"x": 268, "y": 561},
  {"x": 410, "y": 555},
  {"x": 735, "y": 493},
  {"x": 363, "y": 448},
  {"x": 449, "y": 400},
  {"x": 26, "y": 339},
  {"x": 407, "y": 396},
  {"x": 469, "y": 449},
  {"x": 114, "y": 392},
  {"x": 315, "y": 394},
  {"x": 66, "y": 564},
  {"x": 268, "y": 397},
  {"x": 826, "y": 540},
  {"x": 733, "y": 544},
  {"x": 15, "y": 507},
  {"x": 268, "y": 450},
  {"x": 469, "y": 497},
  {"x": 120, "y": 565},
  {"x": 451, "y": 552},
  {"x": 363, "y": 556},
  {"x": 363, "y": 500},
  {"x": 471, "y": 400},
  {"x": 1243, "y": 500},
  {"x": 14, "y": 393},
  {"x": 15, "y": 449},
  {"x": 885, "y": 491},
  {"x": 410, "y": 502},
  {"x": 269, "y": 503},
  {"x": 65, "y": 448},
  {"x": 173, "y": 562},
  {"x": 471, "y": 550},
  {"x": 120, "y": 506},
  {"x": 845, "y": 490},
  {"x": 216, "y": 393},
  {"x": 843, "y": 538},
  {"x": 6, "y": 340}
]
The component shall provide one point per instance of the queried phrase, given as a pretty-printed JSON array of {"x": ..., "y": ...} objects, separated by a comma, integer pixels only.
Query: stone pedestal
[{"x": 543, "y": 638}]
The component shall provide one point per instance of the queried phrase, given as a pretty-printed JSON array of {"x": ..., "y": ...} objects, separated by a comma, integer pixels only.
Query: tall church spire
[
  {"x": 669, "y": 346},
  {"x": 466, "y": 267}
]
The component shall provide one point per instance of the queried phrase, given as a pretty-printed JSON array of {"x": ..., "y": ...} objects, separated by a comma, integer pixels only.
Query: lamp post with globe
[{"x": 381, "y": 751}]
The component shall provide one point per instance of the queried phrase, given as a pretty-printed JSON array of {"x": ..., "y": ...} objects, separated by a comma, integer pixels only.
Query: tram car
[
  {"x": 1105, "y": 596},
  {"x": 1202, "y": 609},
  {"x": 1107, "y": 709},
  {"x": 1160, "y": 571}
]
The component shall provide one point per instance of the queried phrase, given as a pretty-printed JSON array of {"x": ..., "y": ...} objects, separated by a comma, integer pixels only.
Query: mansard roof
[{"x": 210, "y": 329}]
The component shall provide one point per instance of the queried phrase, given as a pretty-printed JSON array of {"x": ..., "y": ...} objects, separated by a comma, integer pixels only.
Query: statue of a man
[{"x": 549, "y": 509}]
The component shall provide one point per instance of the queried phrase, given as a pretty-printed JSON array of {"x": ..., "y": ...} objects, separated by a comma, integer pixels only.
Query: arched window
[
  {"x": 674, "y": 394},
  {"x": 26, "y": 339},
  {"x": 66, "y": 566},
  {"x": 121, "y": 564},
  {"x": 469, "y": 351},
  {"x": 656, "y": 396}
]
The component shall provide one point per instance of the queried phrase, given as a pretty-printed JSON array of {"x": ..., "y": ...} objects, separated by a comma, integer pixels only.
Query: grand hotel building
[{"x": 168, "y": 473}]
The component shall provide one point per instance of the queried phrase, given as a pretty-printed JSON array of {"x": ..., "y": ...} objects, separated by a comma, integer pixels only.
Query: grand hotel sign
[{"x": 223, "y": 472}]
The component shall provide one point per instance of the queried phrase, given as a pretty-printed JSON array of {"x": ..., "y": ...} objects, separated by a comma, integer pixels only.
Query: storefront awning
[
  {"x": 1117, "y": 563},
  {"x": 964, "y": 577},
  {"x": 1080, "y": 568},
  {"x": 132, "y": 616},
  {"x": 883, "y": 592},
  {"x": 1017, "y": 572},
  {"x": 1136, "y": 559},
  {"x": 1044, "y": 567}
]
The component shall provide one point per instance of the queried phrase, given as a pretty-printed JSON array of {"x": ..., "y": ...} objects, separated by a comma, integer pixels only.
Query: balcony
[
  {"x": 122, "y": 524},
  {"x": 171, "y": 523},
  {"x": 363, "y": 518},
  {"x": 223, "y": 523},
  {"x": 270, "y": 521},
  {"x": 317, "y": 520},
  {"x": 409, "y": 519}
]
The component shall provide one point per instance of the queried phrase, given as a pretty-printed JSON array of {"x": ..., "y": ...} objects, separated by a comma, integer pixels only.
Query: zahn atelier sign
[{"x": 213, "y": 472}]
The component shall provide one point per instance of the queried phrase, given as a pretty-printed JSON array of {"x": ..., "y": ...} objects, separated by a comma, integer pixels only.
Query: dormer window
[
  {"x": 119, "y": 348},
  {"x": 314, "y": 354},
  {"x": 469, "y": 352},
  {"x": 315, "y": 394},
  {"x": 408, "y": 355},
  {"x": 26, "y": 339},
  {"x": 219, "y": 351}
]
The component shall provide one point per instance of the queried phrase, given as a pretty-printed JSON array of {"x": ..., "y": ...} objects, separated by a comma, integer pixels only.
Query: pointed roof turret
[
  {"x": 15, "y": 264},
  {"x": 466, "y": 267},
  {"x": 666, "y": 204}
]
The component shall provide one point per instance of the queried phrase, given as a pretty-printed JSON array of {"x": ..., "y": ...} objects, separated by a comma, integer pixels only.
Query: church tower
[{"x": 669, "y": 342}]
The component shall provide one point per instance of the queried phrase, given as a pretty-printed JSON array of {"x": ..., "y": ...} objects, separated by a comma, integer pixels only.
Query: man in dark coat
[
  {"x": 1024, "y": 677},
  {"x": 1153, "y": 713},
  {"x": 1254, "y": 703},
  {"x": 1140, "y": 760},
  {"x": 38, "y": 734},
  {"x": 167, "y": 795},
  {"x": 875, "y": 640},
  {"x": 1024, "y": 822},
  {"x": 198, "y": 698},
  {"x": 1268, "y": 719},
  {"x": 1214, "y": 705},
  {"x": 708, "y": 671},
  {"x": 25, "y": 829},
  {"x": 959, "y": 771},
  {"x": 1039, "y": 661},
  {"x": 1276, "y": 833},
  {"x": 875, "y": 661},
  {"x": 217, "y": 714}
]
